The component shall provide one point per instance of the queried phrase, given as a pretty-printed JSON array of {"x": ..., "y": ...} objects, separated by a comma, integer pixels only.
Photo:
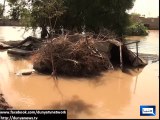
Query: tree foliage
[
  {"x": 136, "y": 26},
  {"x": 45, "y": 12},
  {"x": 137, "y": 29},
  {"x": 1, "y": 10},
  {"x": 134, "y": 18},
  {"x": 94, "y": 14},
  {"x": 37, "y": 13},
  {"x": 16, "y": 8}
]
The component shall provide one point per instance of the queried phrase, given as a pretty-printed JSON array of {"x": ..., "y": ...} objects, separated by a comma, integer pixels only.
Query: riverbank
[{"x": 9, "y": 22}]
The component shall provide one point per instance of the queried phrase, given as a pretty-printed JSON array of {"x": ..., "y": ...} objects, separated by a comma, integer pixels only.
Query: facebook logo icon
[{"x": 146, "y": 110}]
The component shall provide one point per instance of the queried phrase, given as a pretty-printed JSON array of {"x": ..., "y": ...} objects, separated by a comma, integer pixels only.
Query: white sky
[{"x": 149, "y": 8}]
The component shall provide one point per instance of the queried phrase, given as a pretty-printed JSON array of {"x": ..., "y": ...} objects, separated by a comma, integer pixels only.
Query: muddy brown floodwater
[{"x": 114, "y": 94}]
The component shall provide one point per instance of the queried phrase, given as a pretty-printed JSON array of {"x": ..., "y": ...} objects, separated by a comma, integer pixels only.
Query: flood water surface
[
  {"x": 114, "y": 94},
  {"x": 149, "y": 44}
]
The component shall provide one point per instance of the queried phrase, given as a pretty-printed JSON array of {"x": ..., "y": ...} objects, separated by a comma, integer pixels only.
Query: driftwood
[
  {"x": 74, "y": 61},
  {"x": 33, "y": 39},
  {"x": 4, "y": 46},
  {"x": 20, "y": 52},
  {"x": 30, "y": 43},
  {"x": 22, "y": 48}
]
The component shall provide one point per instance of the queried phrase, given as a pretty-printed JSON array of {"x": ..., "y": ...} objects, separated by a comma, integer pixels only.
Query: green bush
[{"x": 137, "y": 29}]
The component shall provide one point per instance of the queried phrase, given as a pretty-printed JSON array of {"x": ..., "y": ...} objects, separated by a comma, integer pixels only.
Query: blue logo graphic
[{"x": 147, "y": 110}]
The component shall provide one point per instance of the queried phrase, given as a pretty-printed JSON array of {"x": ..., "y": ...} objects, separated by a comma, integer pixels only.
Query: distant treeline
[{"x": 9, "y": 22}]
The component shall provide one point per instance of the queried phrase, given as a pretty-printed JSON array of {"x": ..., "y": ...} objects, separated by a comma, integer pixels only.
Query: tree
[
  {"x": 16, "y": 8},
  {"x": 2, "y": 8},
  {"x": 37, "y": 13},
  {"x": 96, "y": 14},
  {"x": 45, "y": 13},
  {"x": 136, "y": 27},
  {"x": 134, "y": 18}
]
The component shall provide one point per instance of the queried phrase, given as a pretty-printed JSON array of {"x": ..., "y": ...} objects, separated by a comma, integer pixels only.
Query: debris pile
[
  {"x": 63, "y": 55},
  {"x": 83, "y": 55},
  {"x": 23, "y": 47}
]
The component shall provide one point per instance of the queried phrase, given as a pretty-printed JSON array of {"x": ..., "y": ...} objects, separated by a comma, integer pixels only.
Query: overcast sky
[{"x": 149, "y": 8}]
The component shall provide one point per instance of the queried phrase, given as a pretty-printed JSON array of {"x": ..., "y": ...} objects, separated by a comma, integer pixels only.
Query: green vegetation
[
  {"x": 1, "y": 10},
  {"x": 72, "y": 14},
  {"x": 15, "y": 9},
  {"x": 136, "y": 27},
  {"x": 96, "y": 14},
  {"x": 46, "y": 13}
]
